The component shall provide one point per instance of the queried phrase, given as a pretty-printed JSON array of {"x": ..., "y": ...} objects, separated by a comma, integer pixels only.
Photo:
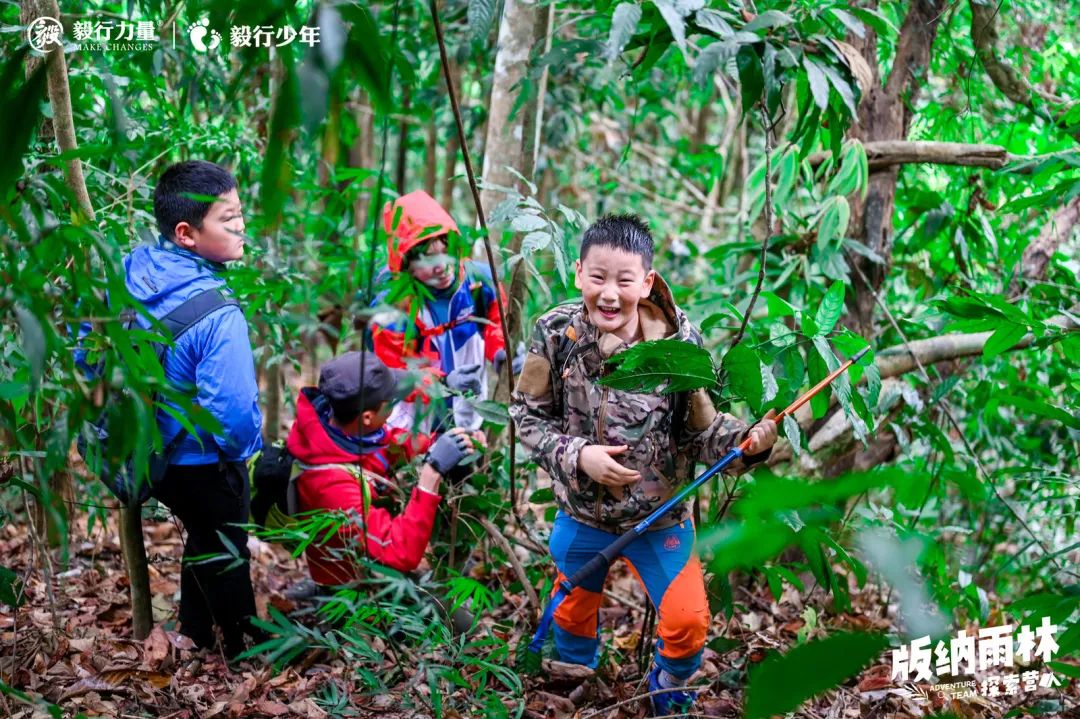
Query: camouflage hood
[{"x": 560, "y": 408}]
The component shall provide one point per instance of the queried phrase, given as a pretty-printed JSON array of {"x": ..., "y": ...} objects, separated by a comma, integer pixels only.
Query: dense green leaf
[
  {"x": 11, "y": 589},
  {"x": 828, "y": 312},
  {"x": 783, "y": 683},
  {"x": 661, "y": 365},
  {"x": 624, "y": 22},
  {"x": 480, "y": 15},
  {"x": 751, "y": 76},
  {"x": 1004, "y": 338},
  {"x": 744, "y": 369},
  {"x": 834, "y": 221},
  {"x": 768, "y": 19}
]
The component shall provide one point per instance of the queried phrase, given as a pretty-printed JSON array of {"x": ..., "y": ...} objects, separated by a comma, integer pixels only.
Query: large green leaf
[
  {"x": 830, "y": 309},
  {"x": 11, "y": 589},
  {"x": 661, "y": 365},
  {"x": 744, "y": 369},
  {"x": 624, "y": 22},
  {"x": 480, "y": 15},
  {"x": 17, "y": 127},
  {"x": 751, "y": 76},
  {"x": 819, "y": 84},
  {"x": 782, "y": 683},
  {"x": 834, "y": 221},
  {"x": 1003, "y": 339}
]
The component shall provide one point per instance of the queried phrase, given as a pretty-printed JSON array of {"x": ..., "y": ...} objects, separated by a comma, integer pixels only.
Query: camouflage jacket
[{"x": 559, "y": 408}]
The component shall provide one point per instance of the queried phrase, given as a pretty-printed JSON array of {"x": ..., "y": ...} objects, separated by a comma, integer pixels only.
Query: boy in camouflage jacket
[{"x": 616, "y": 456}]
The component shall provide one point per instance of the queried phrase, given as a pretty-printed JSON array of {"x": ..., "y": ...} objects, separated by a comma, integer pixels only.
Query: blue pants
[{"x": 663, "y": 561}]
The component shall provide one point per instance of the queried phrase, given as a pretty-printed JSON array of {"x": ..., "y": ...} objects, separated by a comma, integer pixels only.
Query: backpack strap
[
  {"x": 293, "y": 499},
  {"x": 193, "y": 309},
  {"x": 179, "y": 321}
]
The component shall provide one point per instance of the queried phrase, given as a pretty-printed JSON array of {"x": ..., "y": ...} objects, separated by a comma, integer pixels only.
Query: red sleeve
[
  {"x": 493, "y": 332},
  {"x": 398, "y": 542}
]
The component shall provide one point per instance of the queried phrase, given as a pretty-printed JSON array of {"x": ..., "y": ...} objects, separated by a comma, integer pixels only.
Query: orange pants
[{"x": 664, "y": 562}]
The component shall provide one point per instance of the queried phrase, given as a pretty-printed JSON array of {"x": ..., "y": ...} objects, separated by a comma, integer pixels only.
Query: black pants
[{"x": 209, "y": 498}]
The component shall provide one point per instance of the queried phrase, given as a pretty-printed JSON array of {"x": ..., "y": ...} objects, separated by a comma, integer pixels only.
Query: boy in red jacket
[{"x": 349, "y": 456}]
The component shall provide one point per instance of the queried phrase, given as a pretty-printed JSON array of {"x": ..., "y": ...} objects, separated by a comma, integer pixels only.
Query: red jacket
[{"x": 396, "y": 541}]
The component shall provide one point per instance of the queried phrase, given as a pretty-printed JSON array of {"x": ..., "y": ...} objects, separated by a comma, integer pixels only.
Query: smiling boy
[
  {"x": 201, "y": 225},
  {"x": 616, "y": 456}
]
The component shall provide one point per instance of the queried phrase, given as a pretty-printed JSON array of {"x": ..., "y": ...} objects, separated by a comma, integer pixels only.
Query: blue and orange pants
[{"x": 663, "y": 560}]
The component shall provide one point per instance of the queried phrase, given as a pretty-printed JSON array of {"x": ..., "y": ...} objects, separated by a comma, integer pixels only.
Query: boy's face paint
[
  {"x": 221, "y": 237},
  {"x": 612, "y": 282},
  {"x": 434, "y": 268}
]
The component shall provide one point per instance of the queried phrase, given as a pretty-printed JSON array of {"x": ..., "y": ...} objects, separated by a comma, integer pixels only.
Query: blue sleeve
[
  {"x": 88, "y": 371},
  {"x": 225, "y": 378}
]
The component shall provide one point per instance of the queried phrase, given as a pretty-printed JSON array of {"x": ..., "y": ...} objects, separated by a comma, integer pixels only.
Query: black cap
[{"x": 341, "y": 383}]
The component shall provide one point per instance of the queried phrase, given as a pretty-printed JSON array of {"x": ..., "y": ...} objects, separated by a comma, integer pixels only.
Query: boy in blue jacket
[{"x": 206, "y": 485}]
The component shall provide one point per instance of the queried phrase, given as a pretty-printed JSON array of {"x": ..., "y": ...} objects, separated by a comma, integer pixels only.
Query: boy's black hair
[
  {"x": 172, "y": 204},
  {"x": 628, "y": 233},
  {"x": 347, "y": 410}
]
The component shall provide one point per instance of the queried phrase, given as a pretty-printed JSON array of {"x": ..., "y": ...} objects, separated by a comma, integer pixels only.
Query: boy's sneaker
[{"x": 670, "y": 703}]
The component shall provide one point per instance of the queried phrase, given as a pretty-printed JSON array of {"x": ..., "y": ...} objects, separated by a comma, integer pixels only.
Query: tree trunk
[
  {"x": 403, "y": 142},
  {"x": 60, "y": 99},
  {"x": 362, "y": 154},
  {"x": 131, "y": 542},
  {"x": 506, "y": 142},
  {"x": 431, "y": 157},
  {"x": 453, "y": 146},
  {"x": 272, "y": 394},
  {"x": 511, "y": 141},
  {"x": 885, "y": 114}
]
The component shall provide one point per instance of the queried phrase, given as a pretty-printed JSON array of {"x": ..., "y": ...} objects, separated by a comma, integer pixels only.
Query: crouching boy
[{"x": 349, "y": 457}]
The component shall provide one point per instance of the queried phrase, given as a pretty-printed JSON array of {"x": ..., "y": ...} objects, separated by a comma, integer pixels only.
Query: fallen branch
[
  {"x": 886, "y": 153},
  {"x": 504, "y": 545}
]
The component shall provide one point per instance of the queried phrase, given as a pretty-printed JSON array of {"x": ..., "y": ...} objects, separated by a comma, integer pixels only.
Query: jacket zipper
[{"x": 600, "y": 416}]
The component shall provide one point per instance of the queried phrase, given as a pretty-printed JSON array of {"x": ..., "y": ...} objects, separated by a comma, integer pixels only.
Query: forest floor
[{"x": 72, "y": 646}]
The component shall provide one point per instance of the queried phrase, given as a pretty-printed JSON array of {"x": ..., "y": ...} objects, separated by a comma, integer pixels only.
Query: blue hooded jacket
[{"x": 214, "y": 355}]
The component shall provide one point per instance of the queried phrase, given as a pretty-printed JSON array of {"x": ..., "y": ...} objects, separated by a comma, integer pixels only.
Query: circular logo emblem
[{"x": 44, "y": 33}]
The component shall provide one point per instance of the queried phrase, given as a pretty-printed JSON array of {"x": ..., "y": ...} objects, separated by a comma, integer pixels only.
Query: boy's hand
[
  {"x": 596, "y": 461},
  {"x": 762, "y": 436},
  {"x": 449, "y": 450}
]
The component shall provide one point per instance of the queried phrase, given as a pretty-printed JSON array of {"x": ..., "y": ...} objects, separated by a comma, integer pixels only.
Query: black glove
[
  {"x": 519, "y": 359},
  {"x": 465, "y": 379},
  {"x": 448, "y": 451}
]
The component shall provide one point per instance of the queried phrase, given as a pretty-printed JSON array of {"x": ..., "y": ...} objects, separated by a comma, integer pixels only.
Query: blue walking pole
[{"x": 531, "y": 660}]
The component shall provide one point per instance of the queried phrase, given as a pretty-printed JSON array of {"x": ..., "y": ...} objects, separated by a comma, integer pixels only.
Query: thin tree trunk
[
  {"x": 431, "y": 158},
  {"x": 453, "y": 146},
  {"x": 403, "y": 141},
  {"x": 272, "y": 395},
  {"x": 131, "y": 542},
  {"x": 511, "y": 141},
  {"x": 362, "y": 154},
  {"x": 885, "y": 114}
]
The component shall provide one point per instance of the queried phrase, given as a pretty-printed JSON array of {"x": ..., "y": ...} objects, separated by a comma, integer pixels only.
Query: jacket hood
[
  {"x": 313, "y": 440},
  {"x": 166, "y": 274},
  {"x": 421, "y": 218}
]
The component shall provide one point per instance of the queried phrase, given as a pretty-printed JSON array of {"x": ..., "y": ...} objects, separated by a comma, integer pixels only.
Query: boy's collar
[{"x": 168, "y": 245}]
